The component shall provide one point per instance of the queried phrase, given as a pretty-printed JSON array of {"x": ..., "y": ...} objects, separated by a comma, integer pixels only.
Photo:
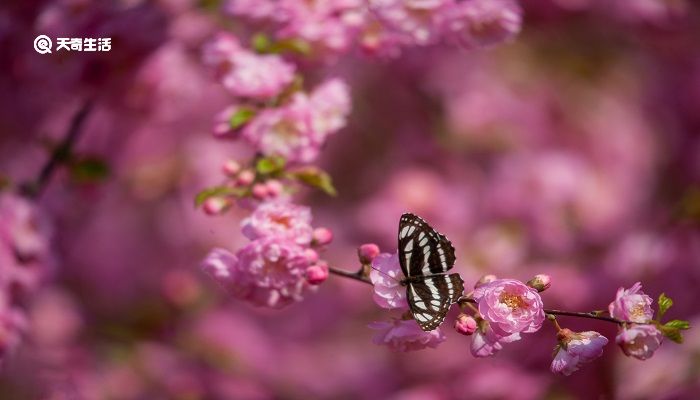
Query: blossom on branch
[
  {"x": 576, "y": 348},
  {"x": 405, "y": 335},
  {"x": 510, "y": 306},
  {"x": 632, "y": 305},
  {"x": 639, "y": 341}
]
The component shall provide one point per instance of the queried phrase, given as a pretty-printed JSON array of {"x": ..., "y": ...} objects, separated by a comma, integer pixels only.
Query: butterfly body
[{"x": 426, "y": 256}]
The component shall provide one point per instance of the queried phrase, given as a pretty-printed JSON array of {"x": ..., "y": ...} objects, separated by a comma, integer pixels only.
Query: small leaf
[
  {"x": 261, "y": 43},
  {"x": 672, "y": 333},
  {"x": 88, "y": 170},
  {"x": 291, "y": 45},
  {"x": 316, "y": 178},
  {"x": 665, "y": 303},
  {"x": 270, "y": 165},
  {"x": 216, "y": 191},
  {"x": 677, "y": 324},
  {"x": 241, "y": 117}
]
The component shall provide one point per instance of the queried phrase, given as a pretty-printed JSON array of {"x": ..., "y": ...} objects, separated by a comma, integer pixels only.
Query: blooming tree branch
[{"x": 286, "y": 124}]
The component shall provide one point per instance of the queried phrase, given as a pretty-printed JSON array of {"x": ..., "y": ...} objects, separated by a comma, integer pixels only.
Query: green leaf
[
  {"x": 677, "y": 324},
  {"x": 316, "y": 178},
  {"x": 88, "y": 170},
  {"x": 291, "y": 45},
  {"x": 672, "y": 333},
  {"x": 665, "y": 303},
  {"x": 216, "y": 191},
  {"x": 241, "y": 117},
  {"x": 270, "y": 165},
  {"x": 261, "y": 43}
]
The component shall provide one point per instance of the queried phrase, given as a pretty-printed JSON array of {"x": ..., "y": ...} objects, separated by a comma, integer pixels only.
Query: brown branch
[
  {"x": 358, "y": 276},
  {"x": 60, "y": 153}
]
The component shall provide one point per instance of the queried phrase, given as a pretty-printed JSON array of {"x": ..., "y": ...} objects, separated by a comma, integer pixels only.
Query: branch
[
  {"x": 358, "y": 276},
  {"x": 60, "y": 153}
]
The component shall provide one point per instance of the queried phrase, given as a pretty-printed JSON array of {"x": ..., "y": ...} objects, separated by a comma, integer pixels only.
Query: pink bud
[
  {"x": 216, "y": 205},
  {"x": 311, "y": 255},
  {"x": 367, "y": 252},
  {"x": 465, "y": 324},
  {"x": 246, "y": 177},
  {"x": 231, "y": 168},
  {"x": 274, "y": 187},
  {"x": 322, "y": 236},
  {"x": 540, "y": 282},
  {"x": 260, "y": 191},
  {"x": 317, "y": 274},
  {"x": 485, "y": 279}
]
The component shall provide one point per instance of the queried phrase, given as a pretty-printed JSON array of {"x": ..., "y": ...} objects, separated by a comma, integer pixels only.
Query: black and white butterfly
[{"x": 425, "y": 256}]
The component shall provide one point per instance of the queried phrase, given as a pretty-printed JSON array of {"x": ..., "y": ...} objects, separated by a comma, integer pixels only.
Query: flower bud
[
  {"x": 216, "y": 205},
  {"x": 260, "y": 191},
  {"x": 322, "y": 236},
  {"x": 317, "y": 273},
  {"x": 311, "y": 255},
  {"x": 465, "y": 324},
  {"x": 540, "y": 282},
  {"x": 231, "y": 168},
  {"x": 274, "y": 187},
  {"x": 484, "y": 280},
  {"x": 367, "y": 252},
  {"x": 246, "y": 177}
]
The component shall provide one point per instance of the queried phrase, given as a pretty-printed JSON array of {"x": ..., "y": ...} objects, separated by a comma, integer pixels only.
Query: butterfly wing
[
  {"x": 430, "y": 298},
  {"x": 423, "y": 250}
]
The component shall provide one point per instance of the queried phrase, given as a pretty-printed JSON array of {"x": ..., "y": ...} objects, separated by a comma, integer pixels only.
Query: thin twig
[
  {"x": 358, "y": 276},
  {"x": 468, "y": 300},
  {"x": 60, "y": 153}
]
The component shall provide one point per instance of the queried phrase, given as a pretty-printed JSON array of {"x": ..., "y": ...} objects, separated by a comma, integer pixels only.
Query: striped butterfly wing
[
  {"x": 422, "y": 250},
  {"x": 431, "y": 298}
]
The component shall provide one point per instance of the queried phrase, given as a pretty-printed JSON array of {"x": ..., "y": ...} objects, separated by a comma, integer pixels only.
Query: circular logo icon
[{"x": 42, "y": 44}]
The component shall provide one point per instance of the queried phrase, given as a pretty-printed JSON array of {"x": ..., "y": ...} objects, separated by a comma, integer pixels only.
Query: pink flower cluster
[
  {"x": 296, "y": 125},
  {"x": 638, "y": 339},
  {"x": 385, "y": 26},
  {"x": 279, "y": 264},
  {"x": 24, "y": 261}
]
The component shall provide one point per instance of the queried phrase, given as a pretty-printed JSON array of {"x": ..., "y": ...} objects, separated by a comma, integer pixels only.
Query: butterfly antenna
[{"x": 385, "y": 274}]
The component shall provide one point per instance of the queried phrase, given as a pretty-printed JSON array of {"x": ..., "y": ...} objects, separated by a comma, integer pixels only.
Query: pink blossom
[
  {"x": 269, "y": 271},
  {"x": 576, "y": 348},
  {"x": 465, "y": 324},
  {"x": 486, "y": 342},
  {"x": 386, "y": 277},
  {"x": 331, "y": 106},
  {"x": 279, "y": 219},
  {"x": 286, "y": 131},
  {"x": 639, "y": 341},
  {"x": 540, "y": 282},
  {"x": 632, "y": 305},
  {"x": 329, "y": 26},
  {"x": 510, "y": 306},
  {"x": 317, "y": 274},
  {"x": 247, "y": 74},
  {"x": 416, "y": 22},
  {"x": 367, "y": 253},
  {"x": 405, "y": 335},
  {"x": 216, "y": 205},
  {"x": 478, "y": 23},
  {"x": 322, "y": 236}
]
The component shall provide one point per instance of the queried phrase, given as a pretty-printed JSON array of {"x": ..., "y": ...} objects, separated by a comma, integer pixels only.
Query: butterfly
[{"x": 425, "y": 256}]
